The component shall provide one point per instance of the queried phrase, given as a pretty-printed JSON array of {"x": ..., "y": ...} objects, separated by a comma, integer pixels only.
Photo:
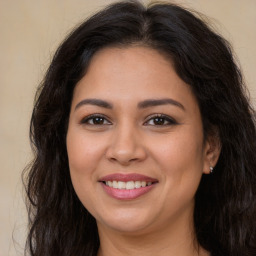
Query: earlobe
[{"x": 212, "y": 153}]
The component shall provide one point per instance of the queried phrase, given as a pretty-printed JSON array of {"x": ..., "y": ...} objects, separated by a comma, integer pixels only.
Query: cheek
[
  {"x": 179, "y": 150},
  {"x": 84, "y": 152},
  {"x": 181, "y": 160},
  {"x": 83, "y": 156}
]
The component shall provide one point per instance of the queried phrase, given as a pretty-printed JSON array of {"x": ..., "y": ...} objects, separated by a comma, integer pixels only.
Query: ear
[{"x": 212, "y": 149}]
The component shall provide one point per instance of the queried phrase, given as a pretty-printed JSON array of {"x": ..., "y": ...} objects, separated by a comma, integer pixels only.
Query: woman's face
[{"x": 135, "y": 142}]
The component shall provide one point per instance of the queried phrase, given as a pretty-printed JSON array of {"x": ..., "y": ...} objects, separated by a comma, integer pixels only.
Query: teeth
[
  {"x": 127, "y": 185},
  {"x": 137, "y": 184},
  {"x": 143, "y": 184},
  {"x": 121, "y": 184},
  {"x": 115, "y": 184},
  {"x": 130, "y": 185},
  {"x": 109, "y": 183}
]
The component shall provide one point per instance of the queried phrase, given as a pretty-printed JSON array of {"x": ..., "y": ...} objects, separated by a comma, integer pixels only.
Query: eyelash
[
  {"x": 92, "y": 117},
  {"x": 162, "y": 118},
  {"x": 166, "y": 119}
]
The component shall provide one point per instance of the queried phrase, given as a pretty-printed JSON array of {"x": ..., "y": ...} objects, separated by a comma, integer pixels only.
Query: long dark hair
[{"x": 225, "y": 203}]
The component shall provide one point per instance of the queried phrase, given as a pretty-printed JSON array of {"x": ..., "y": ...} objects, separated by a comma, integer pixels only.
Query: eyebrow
[
  {"x": 158, "y": 102},
  {"x": 95, "y": 102},
  {"x": 142, "y": 104}
]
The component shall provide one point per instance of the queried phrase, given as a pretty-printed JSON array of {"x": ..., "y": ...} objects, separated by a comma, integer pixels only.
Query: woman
[{"x": 144, "y": 141}]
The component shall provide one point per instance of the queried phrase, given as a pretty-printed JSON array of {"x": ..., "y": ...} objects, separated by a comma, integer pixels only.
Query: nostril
[{"x": 125, "y": 151}]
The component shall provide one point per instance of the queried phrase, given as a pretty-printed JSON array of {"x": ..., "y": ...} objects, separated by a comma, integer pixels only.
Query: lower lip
[{"x": 126, "y": 194}]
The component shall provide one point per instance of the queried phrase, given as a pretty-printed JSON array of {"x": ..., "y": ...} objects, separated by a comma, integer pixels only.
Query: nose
[{"x": 126, "y": 146}]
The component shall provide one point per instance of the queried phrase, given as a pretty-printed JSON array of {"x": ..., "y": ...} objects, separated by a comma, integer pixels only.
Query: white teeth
[
  {"x": 137, "y": 184},
  {"x": 130, "y": 185},
  {"x": 121, "y": 184},
  {"x": 143, "y": 184},
  {"x": 109, "y": 183},
  {"x": 127, "y": 185},
  {"x": 115, "y": 184}
]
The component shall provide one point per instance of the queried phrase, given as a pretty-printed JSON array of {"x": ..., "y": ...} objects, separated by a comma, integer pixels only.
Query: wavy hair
[{"x": 225, "y": 203}]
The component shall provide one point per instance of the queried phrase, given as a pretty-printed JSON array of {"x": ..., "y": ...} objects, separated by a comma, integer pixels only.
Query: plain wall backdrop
[{"x": 30, "y": 31}]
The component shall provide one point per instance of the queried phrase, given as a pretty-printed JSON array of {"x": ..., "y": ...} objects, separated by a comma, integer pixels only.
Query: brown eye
[
  {"x": 95, "y": 120},
  {"x": 160, "y": 120}
]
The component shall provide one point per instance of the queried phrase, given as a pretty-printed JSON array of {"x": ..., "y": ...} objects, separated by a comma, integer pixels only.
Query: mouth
[{"x": 127, "y": 186}]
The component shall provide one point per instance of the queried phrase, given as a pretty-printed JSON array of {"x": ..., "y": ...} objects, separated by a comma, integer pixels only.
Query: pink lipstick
[{"x": 127, "y": 186}]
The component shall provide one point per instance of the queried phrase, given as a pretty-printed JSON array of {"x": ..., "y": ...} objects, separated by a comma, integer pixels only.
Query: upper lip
[{"x": 127, "y": 177}]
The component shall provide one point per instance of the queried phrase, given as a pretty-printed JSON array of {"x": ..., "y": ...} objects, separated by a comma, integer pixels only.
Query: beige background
[{"x": 30, "y": 32}]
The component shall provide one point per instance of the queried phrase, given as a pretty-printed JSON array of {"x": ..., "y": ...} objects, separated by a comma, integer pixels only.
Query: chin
[{"x": 126, "y": 222}]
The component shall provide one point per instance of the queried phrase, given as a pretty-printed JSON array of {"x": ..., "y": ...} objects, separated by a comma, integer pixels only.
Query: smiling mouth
[{"x": 128, "y": 185}]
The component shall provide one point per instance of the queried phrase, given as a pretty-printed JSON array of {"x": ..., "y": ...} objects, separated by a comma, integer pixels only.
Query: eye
[
  {"x": 160, "y": 120},
  {"x": 96, "y": 120}
]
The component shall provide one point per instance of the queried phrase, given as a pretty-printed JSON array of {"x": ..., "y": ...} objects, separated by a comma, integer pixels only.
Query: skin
[{"x": 128, "y": 139}]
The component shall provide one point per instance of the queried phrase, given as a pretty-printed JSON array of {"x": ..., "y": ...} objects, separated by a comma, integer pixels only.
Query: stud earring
[{"x": 211, "y": 169}]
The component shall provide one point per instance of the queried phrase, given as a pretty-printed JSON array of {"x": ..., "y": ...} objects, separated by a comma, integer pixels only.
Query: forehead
[{"x": 132, "y": 73}]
